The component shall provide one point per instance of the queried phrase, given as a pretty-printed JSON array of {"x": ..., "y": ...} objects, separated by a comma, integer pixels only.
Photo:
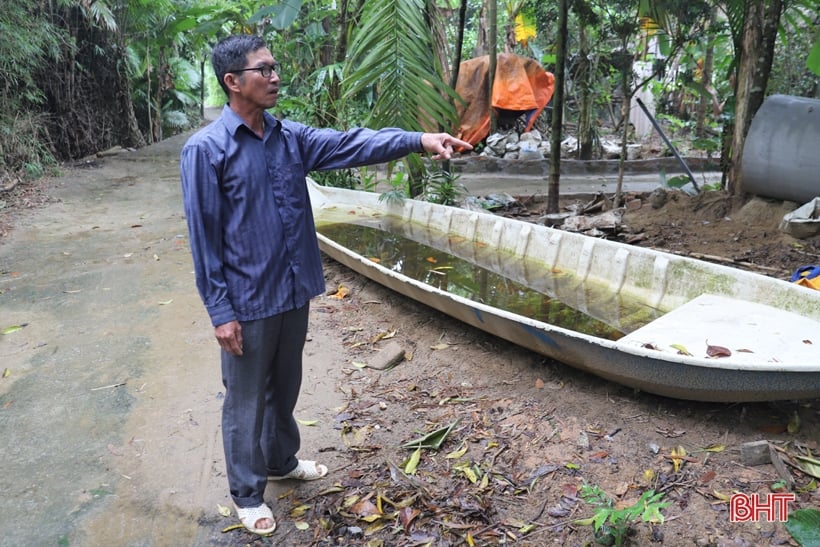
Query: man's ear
[{"x": 231, "y": 80}]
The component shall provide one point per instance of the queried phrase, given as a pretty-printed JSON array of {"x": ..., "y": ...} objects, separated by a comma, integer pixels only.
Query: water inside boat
[{"x": 477, "y": 272}]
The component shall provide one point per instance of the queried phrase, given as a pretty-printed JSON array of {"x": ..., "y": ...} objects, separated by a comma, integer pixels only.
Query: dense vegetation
[{"x": 80, "y": 76}]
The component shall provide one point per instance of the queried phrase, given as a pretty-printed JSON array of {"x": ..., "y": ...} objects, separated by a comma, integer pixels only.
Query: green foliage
[
  {"x": 710, "y": 145},
  {"x": 611, "y": 525},
  {"x": 22, "y": 146},
  {"x": 352, "y": 179},
  {"x": 29, "y": 41},
  {"x": 392, "y": 57},
  {"x": 338, "y": 178},
  {"x": 804, "y": 526},
  {"x": 813, "y": 61},
  {"x": 440, "y": 187},
  {"x": 792, "y": 72},
  {"x": 399, "y": 191}
]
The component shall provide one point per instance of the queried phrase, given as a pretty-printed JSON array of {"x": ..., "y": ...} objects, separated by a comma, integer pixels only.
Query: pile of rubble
[
  {"x": 532, "y": 145},
  {"x": 597, "y": 218}
]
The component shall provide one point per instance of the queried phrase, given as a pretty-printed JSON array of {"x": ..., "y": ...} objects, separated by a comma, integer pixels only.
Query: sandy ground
[{"x": 109, "y": 413}]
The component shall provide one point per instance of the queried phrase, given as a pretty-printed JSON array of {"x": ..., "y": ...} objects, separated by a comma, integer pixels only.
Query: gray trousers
[{"x": 259, "y": 433}]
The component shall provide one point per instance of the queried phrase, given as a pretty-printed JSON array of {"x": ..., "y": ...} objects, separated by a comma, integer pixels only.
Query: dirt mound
[{"x": 712, "y": 226}]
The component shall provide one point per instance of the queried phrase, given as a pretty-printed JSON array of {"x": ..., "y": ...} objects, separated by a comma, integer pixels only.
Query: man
[{"x": 257, "y": 260}]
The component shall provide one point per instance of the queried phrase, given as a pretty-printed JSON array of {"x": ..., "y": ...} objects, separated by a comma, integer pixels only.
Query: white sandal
[
  {"x": 249, "y": 516},
  {"x": 305, "y": 470}
]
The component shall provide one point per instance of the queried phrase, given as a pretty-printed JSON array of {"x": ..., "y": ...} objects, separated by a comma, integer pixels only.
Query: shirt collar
[{"x": 233, "y": 121}]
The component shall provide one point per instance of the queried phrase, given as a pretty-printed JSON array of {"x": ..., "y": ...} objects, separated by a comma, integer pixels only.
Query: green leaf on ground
[
  {"x": 413, "y": 462},
  {"x": 804, "y": 526},
  {"x": 432, "y": 440},
  {"x": 13, "y": 328}
]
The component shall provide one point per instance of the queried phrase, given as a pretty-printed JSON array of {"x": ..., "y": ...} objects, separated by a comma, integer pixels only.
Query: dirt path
[{"x": 110, "y": 413}]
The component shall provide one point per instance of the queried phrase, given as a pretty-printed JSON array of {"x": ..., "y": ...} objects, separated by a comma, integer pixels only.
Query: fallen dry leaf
[
  {"x": 365, "y": 508},
  {"x": 299, "y": 510},
  {"x": 455, "y": 454},
  {"x": 721, "y": 496},
  {"x": 384, "y": 335},
  {"x": 678, "y": 454},
  {"x": 406, "y": 517},
  {"x": 341, "y": 292},
  {"x": 717, "y": 351}
]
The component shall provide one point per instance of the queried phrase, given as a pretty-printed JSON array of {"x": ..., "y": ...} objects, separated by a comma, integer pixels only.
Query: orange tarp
[{"x": 521, "y": 85}]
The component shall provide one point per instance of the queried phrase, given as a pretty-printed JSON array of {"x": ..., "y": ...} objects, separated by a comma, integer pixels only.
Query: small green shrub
[
  {"x": 610, "y": 525},
  {"x": 440, "y": 187}
]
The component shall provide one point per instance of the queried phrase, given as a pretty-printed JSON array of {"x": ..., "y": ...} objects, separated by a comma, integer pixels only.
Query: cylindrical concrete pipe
[{"x": 781, "y": 156}]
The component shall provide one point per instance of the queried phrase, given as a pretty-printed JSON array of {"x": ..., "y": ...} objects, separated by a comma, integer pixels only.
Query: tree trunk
[
  {"x": 462, "y": 20},
  {"x": 481, "y": 33},
  {"x": 754, "y": 66},
  {"x": 707, "y": 95},
  {"x": 558, "y": 108},
  {"x": 202, "y": 88},
  {"x": 149, "y": 95},
  {"x": 492, "y": 46},
  {"x": 164, "y": 82},
  {"x": 509, "y": 34},
  {"x": 439, "y": 20},
  {"x": 586, "y": 133},
  {"x": 626, "y": 106},
  {"x": 128, "y": 133}
]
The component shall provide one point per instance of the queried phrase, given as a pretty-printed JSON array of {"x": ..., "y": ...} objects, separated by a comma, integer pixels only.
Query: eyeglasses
[{"x": 264, "y": 70}]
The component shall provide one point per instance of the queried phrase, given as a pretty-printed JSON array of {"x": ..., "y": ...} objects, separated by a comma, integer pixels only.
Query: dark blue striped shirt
[{"x": 249, "y": 218}]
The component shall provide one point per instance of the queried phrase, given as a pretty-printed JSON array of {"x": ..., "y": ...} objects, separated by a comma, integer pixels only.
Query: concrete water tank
[{"x": 781, "y": 156}]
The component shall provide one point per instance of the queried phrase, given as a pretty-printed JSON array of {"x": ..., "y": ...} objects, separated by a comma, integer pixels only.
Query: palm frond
[{"x": 392, "y": 51}]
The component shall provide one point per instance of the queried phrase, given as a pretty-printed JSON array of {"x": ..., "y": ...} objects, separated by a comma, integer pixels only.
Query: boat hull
[{"x": 629, "y": 361}]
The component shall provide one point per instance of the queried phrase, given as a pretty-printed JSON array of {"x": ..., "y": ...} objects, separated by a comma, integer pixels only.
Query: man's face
[{"x": 254, "y": 88}]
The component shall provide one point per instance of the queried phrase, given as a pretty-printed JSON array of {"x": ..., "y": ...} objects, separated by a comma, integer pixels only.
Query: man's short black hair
[{"x": 231, "y": 53}]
